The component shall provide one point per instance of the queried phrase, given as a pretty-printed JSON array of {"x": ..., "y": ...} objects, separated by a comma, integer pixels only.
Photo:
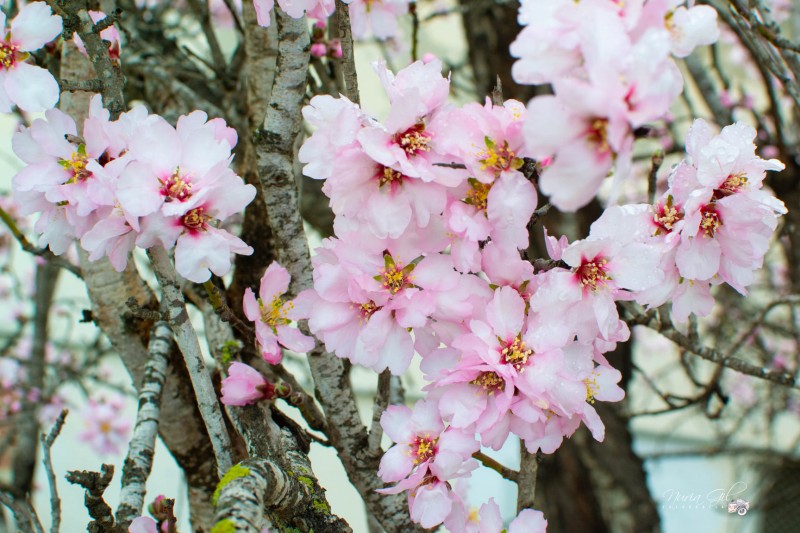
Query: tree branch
[
  {"x": 141, "y": 449},
  {"x": 47, "y": 444},
  {"x": 95, "y": 484},
  {"x": 507, "y": 473},
  {"x": 186, "y": 339},
  {"x": 257, "y": 486},
  {"x": 348, "y": 59},
  {"x": 526, "y": 480},
  {"x": 652, "y": 321}
]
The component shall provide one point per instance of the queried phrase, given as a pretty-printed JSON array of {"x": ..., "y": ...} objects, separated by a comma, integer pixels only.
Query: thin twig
[
  {"x": 507, "y": 473},
  {"x": 709, "y": 354},
  {"x": 47, "y": 444},
  {"x": 95, "y": 484}
]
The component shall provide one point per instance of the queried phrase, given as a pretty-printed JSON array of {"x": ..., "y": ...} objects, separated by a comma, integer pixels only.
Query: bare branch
[
  {"x": 709, "y": 354},
  {"x": 186, "y": 339},
  {"x": 95, "y": 484},
  {"x": 141, "y": 449},
  {"x": 289, "y": 492},
  {"x": 504, "y": 471},
  {"x": 47, "y": 444}
]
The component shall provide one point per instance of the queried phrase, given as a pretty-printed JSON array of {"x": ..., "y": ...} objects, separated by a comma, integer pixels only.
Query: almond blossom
[
  {"x": 27, "y": 86},
  {"x": 369, "y": 17},
  {"x": 105, "y": 431},
  {"x": 273, "y": 316}
]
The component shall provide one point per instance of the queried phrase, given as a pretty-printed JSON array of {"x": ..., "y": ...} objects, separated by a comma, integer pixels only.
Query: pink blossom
[
  {"x": 106, "y": 432},
  {"x": 29, "y": 87},
  {"x": 376, "y": 18},
  {"x": 528, "y": 521},
  {"x": 367, "y": 296},
  {"x": 584, "y": 136},
  {"x": 273, "y": 316},
  {"x": 143, "y": 524},
  {"x": 423, "y": 442},
  {"x": 244, "y": 385},
  {"x": 487, "y": 519},
  {"x": 319, "y": 49}
]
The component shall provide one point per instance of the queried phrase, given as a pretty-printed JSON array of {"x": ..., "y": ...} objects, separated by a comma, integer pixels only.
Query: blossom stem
[{"x": 507, "y": 473}]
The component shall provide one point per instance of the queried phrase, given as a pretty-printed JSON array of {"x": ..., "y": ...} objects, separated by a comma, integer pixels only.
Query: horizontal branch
[{"x": 652, "y": 321}]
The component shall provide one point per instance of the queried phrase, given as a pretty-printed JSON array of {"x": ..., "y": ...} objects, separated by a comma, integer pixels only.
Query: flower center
[
  {"x": 592, "y": 274},
  {"x": 389, "y": 176},
  {"x": 196, "y": 220},
  {"x": 710, "y": 221},
  {"x": 667, "y": 215},
  {"x": 516, "y": 354},
  {"x": 478, "y": 194},
  {"x": 176, "y": 187},
  {"x": 490, "y": 382},
  {"x": 366, "y": 310},
  {"x": 105, "y": 427},
  {"x": 76, "y": 165},
  {"x": 10, "y": 55},
  {"x": 276, "y": 313},
  {"x": 497, "y": 158},
  {"x": 598, "y": 135},
  {"x": 414, "y": 140},
  {"x": 591, "y": 387},
  {"x": 732, "y": 184},
  {"x": 423, "y": 448},
  {"x": 394, "y": 276}
]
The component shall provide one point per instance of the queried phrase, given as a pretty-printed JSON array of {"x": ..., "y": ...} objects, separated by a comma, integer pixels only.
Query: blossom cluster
[
  {"x": 432, "y": 209},
  {"x": 134, "y": 181},
  {"x": 611, "y": 69},
  {"x": 713, "y": 224},
  {"x": 431, "y": 212}
]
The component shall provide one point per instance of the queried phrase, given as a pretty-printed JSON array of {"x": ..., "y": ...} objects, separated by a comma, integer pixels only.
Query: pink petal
[
  {"x": 32, "y": 88},
  {"x": 293, "y": 339},
  {"x": 34, "y": 26},
  {"x": 274, "y": 282}
]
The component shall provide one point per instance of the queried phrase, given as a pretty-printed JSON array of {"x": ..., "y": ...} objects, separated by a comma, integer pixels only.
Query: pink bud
[
  {"x": 335, "y": 48},
  {"x": 243, "y": 386},
  {"x": 725, "y": 98},
  {"x": 428, "y": 57},
  {"x": 320, "y": 25},
  {"x": 770, "y": 151},
  {"x": 319, "y": 50}
]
